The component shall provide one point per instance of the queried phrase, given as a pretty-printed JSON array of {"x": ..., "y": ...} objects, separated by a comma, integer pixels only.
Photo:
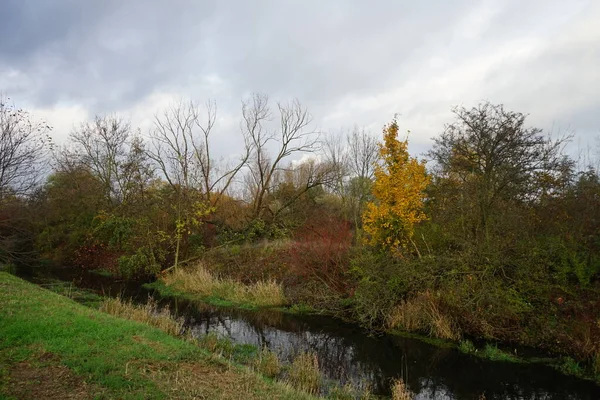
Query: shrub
[
  {"x": 377, "y": 292},
  {"x": 321, "y": 251},
  {"x": 142, "y": 262}
]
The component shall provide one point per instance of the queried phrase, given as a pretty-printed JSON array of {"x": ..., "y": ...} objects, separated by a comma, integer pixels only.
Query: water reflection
[{"x": 349, "y": 354}]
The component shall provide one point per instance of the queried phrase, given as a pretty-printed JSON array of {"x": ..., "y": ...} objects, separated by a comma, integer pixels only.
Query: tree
[
  {"x": 182, "y": 152},
  {"x": 400, "y": 181},
  {"x": 352, "y": 159},
  {"x": 492, "y": 159},
  {"x": 23, "y": 143},
  {"x": 362, "y": 156},
  {"x": 297, "y": 187},
  {"x": 117, "y": 158},
  {"x": 292, "y": 136}
]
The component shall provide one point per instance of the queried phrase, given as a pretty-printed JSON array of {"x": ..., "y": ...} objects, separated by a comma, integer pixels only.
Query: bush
[
  {"x": 321, "y": 251},
  {"x": 142, "y": 262},
  {"x": 379, "y": 286}
]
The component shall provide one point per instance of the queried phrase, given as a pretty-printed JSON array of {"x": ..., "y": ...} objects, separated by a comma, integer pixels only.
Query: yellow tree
[{"x": 400, "y": 181}]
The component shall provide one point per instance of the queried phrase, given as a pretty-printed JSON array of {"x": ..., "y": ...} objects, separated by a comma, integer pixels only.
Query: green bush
[{"x": 142, "y": 262}]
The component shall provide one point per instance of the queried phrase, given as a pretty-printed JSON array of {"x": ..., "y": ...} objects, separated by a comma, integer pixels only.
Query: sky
[{"x": 351, "y": 63}]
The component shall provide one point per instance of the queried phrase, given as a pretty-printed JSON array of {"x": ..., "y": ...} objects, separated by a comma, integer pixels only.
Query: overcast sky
[{"x": 350, "y": 62}]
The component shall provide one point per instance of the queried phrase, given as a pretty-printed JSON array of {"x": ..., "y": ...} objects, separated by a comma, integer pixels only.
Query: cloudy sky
[{"x": 350, "y": 62}]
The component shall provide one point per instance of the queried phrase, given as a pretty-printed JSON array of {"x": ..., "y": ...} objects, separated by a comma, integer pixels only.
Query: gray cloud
[{"x": 350, "y": 62}]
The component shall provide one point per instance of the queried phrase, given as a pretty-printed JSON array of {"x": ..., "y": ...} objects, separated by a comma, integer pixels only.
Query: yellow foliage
[{"x": 400, "y": 181}]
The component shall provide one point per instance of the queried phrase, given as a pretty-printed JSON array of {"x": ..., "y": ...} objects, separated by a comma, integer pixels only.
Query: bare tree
[
  {"x": 101, "y": 146},
  {"x": 292, "y": 136},
  {"x": 23, "y": 145},
  {"x": 353, "y": 158},
  {"x": 300, "y": 178},
  {"x": 182, "y": 151},
  {"x": 362, "y": 153},
  {"x": 335, "y": 154}
]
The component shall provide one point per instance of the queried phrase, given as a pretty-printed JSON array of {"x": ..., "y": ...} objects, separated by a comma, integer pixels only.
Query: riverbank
[
  {"x": 179, "y": 285},
  {"x": 52, "y": 347}
]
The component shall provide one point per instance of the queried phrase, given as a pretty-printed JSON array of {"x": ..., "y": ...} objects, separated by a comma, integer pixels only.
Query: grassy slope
[{"x": 51, "y": 346}]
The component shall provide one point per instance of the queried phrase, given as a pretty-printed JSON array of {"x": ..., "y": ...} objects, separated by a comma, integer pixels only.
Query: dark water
[{"x": 348, "y": 353}]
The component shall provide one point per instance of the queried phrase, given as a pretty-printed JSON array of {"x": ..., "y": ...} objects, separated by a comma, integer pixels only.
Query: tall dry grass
[
  {"x": 304, "y": 373},
  {"x": 267, "y": 363},
  {"x": 200, "y": 281},
  {"x": 400, "y": 391},
  {"x": 422, "y": 313},
  {"x": 148, "y": 314}
]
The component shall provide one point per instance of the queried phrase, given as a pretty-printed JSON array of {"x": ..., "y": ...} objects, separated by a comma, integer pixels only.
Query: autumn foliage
[{"x": 400, "y": 181}]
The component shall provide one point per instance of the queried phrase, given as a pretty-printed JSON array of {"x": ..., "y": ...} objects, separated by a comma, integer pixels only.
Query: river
[{"x": 348, "y": 353}]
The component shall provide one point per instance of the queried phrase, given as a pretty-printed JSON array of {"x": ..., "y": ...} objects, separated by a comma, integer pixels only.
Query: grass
[
  {"x": 267, "y": 363},
  {"x": 102, "y": 272},
  {"x": 223, "y": 347},
  {"x": 52, "y": 347},
  {"x": 83, "y": 296},
  {"x": 400, "y": 391},
  {"x": 201, "y": 283},
  {"x": 492, "y": 352},
  {"x": 148, "y": 314},
  {"x": 489, "y": 352},
  {"x": 422, "y": 313},
  {"x": 570, "y": 367},
  {"x": 304, "y": 373}
]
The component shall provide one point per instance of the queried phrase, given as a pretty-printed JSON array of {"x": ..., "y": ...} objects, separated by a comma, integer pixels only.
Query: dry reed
[
  {"x": 200, "y": 281},
  {"x": 148, "y": 314}
]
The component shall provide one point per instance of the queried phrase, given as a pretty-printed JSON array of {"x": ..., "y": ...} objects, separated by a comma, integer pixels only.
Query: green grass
[
  {"x": 83, "y": 296},
  {"x": 569, "y": 366},
  {"x": 102, "y": 272},
  {"x": 103, "y": 356},
  {"x": 489, "y": 352},
  {"x": 492, "y": 352}
]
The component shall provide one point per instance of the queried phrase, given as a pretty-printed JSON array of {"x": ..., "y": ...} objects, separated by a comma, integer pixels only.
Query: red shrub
[{"x": 320, "y": 250}]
